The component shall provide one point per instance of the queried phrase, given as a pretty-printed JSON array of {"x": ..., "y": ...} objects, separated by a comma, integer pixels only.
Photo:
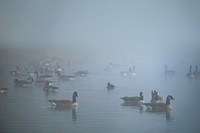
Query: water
[{"x": 25, "y": 110}]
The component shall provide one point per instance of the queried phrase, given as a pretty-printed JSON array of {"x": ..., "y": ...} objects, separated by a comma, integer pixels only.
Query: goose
[
  {"x": 169, "y": 72},
  {"x": 134, "y": 100},
  {"x": 160, "y": 106},
  {"x": 48, "y": 72},
  {"x": 42, "y": 77},
  {"x": 110, "y": 86},
  {"x": 65, "y": 77},
  {"x": 58, "y": 69},
  {"x": 81, "y": 73},
  {"x": 48, "y": 86},
  {"x": 109, "y": 67},
  {"x": 15, "y": 72},
  {"x": 22, "y": 83},
  {"x": 190, "y": 74},
  {"x": 66, "y": 103},
  {"x": 196, "y": 72},
  {"x": 129, "y": 73},
  {"x": 155, "y": 97},
  {"x": 40, "y": 82},
  {"x": 3, "y": 90}
]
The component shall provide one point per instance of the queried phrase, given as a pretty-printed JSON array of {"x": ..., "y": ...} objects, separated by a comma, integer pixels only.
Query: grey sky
[{"x": 131, "y": 27}]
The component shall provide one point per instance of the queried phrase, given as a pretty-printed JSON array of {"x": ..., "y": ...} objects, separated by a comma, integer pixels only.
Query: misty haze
[{"x": 100, "y": 66}]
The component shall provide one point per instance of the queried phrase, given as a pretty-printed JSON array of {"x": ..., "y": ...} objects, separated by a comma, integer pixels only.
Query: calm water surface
[{"x": 26, "y": 110}]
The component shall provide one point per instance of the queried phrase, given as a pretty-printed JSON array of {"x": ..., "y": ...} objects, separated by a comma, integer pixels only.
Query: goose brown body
[
  {"x": 134, "y": 100},
  {"x": 66, "y": 103},
  {"x": 155, "y": 97},
  {"x": 3, "y": 90},
  {"x": 161, "y": 106}
]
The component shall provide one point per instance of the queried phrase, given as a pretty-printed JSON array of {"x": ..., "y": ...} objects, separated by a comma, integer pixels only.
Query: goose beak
[{"x": 172, "y": 98}]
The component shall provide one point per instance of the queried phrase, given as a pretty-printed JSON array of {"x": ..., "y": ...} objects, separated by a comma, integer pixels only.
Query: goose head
[
  {"x": 15, "y": 80},
  {"x": 165, "y": 68},
  {"x": 75, "y": 94},
  {"x": 31, "y": 79},
  {"x": 141, "y": 96},
  {"x": 169, "y": 97}
]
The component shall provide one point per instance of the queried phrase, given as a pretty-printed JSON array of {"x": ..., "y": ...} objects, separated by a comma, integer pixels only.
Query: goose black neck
[
  {"x": 196, "y": 68},
  {"x": 141, "y": 97},
  {"x": 74, "y": 98},
  {"x": 165, "y": 68},
  {"x": 167, "y": 101},
  {"x": 47, "y": 83},
  {"x": 58, "y": 74},
  {"x": 134, "y": 69},
  {"x": 190, "y": 69}
]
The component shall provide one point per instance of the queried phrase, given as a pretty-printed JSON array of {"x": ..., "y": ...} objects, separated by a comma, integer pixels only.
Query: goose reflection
[
  {"x": 168, "y": 117},
  {"x": 140, "y": 108},
  {"x": 67, "y": 109},
  {"x": 167, "y": 113},
  {"x": 48, "y": 93},
  {"x": 74, "y": 116}
]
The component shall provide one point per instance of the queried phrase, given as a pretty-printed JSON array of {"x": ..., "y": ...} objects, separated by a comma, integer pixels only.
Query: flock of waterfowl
[
  {"x": 41, "y": 75},
  {"x": 44, "y": 74},
  {"x": 156, "y": 103}
]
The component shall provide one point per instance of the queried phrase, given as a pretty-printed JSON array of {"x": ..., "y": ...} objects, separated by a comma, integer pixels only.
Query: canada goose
[
  {"x": 190, "y": 74},
  {"x": 42, "y": 77},
  {"x": 66, "y": 103},
  {"x": 58, "y": 69},
  {"x": 3, "y": 90},
  {"x": 81, "y": 73},
  {"x": 23, "y": 83},
  {"x": 169, "y": 72},
  {"x": 134, "y": 100},
  {"x": 110, "y": 86},
  {"x": 15, "y": 72},
  {"x": 65, "y": 77},
  {"x": 129, "y": 73},
  {"x": 40, "y": 82},
  {"x": 109, "y": 67},
  {"x": 160, "y": 106},
  {"x": 48, "y": 86},
  {"x": 155, "y": 97},
  {"x": 196, "y": 72}
]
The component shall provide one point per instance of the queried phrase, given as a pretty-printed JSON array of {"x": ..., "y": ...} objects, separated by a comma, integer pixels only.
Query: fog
[
  {"x": 149, "y": 32},
  {"x": 104, "y": 50}
]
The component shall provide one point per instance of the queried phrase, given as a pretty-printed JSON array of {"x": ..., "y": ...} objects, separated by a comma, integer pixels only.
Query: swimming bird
[
  {"x": 48, "y": 86},
  {"x": 196, "y": 72},
  {"x": 129, "y": 73},
  {"x": 58, "y": 69},
  {"x": 190, "y": 74},
  {"x": 169, "y": 72},
  {"x": 15, "y": 72},
  {"x": 134, "y": 100},
  {"x": 65, "y": 77},
  {"x": 110, "y": 86},
  {"x": 66, "y": 103},
  {"x": 81, "y": 73},
  {"x": 40, "y": 82},
  {"x": 23, "y": 83},
  {"x": 3, "y": 90},
  {"x": 155, "y": 97},
  {"x": 160, "y": 106},
  {"x": 42, "y": 77}
]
